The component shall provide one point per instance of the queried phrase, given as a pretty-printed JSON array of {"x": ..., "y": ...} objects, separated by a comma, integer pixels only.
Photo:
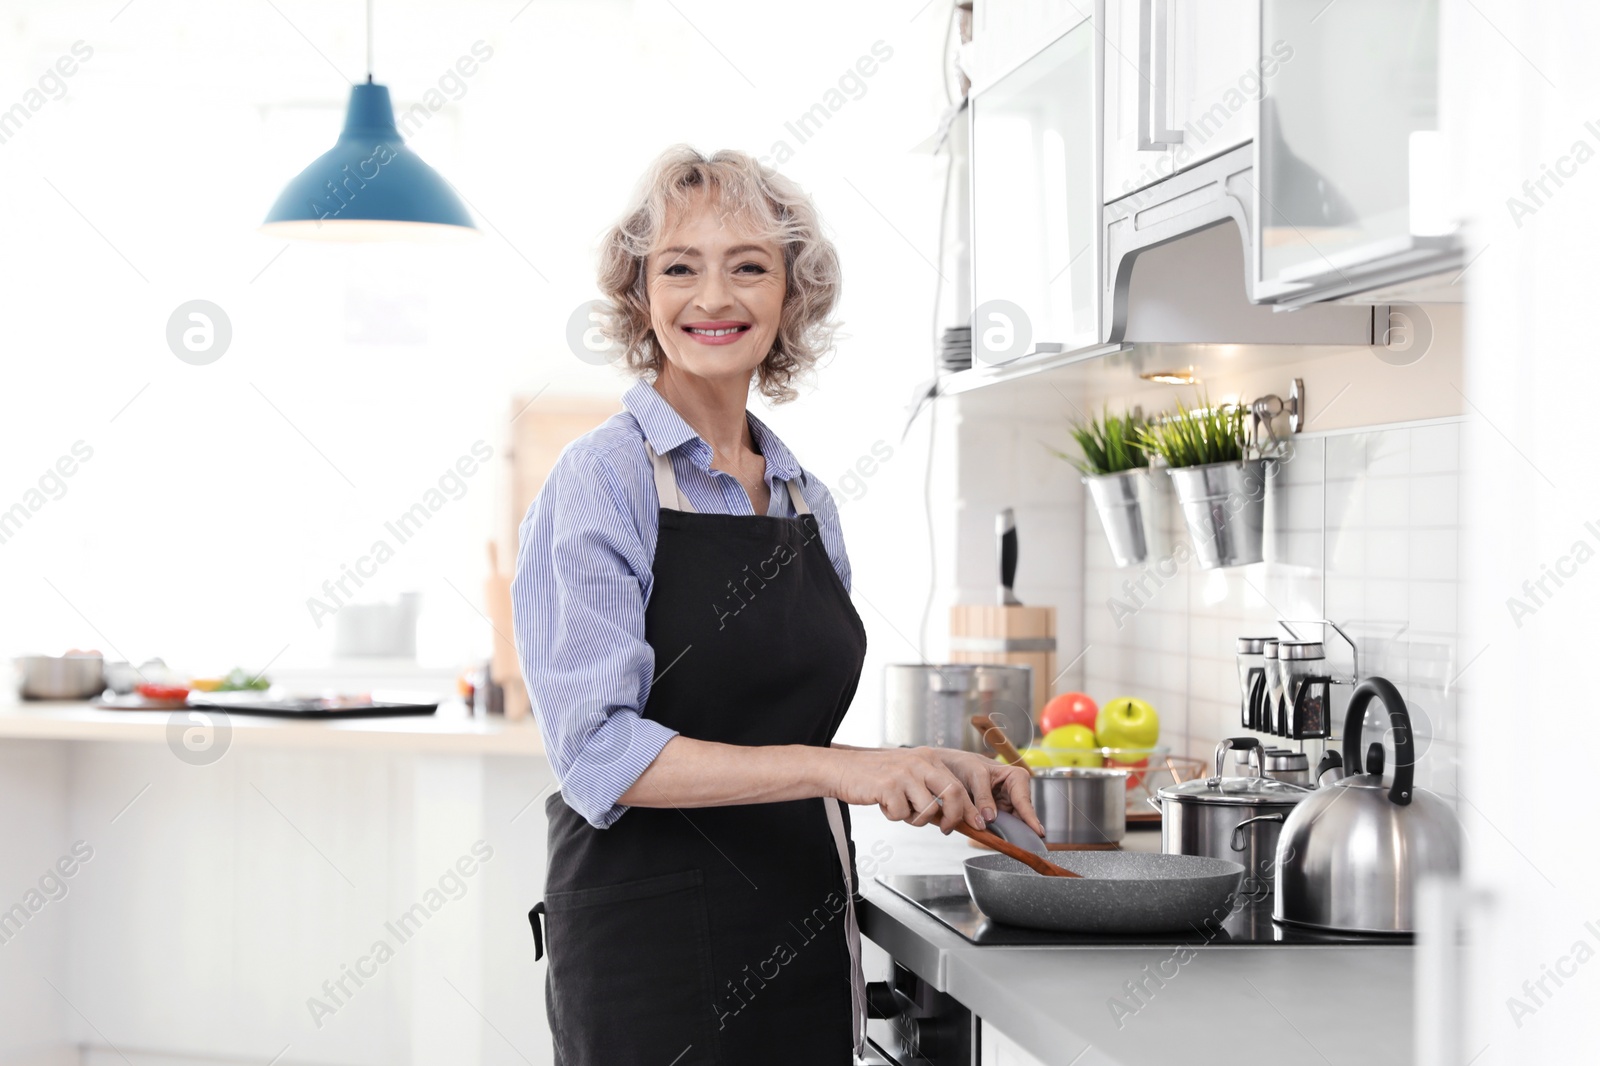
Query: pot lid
[{"x": 1239, "y": 791}]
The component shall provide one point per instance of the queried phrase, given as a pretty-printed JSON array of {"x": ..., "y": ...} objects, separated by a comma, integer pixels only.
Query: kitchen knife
[{"x": 1005, "y": 529}]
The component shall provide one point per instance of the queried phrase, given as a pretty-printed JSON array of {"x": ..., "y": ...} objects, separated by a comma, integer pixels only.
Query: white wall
[{"x": 219, "y": 498}]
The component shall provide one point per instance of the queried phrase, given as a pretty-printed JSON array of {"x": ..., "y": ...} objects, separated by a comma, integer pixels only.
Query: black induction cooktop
[{"x": 1250, "y": 924}]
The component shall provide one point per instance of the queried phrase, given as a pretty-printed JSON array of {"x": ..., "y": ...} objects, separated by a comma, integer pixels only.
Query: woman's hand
[
  {"x": 923, "y": 785},
  {"x": 992, "y": 783}
]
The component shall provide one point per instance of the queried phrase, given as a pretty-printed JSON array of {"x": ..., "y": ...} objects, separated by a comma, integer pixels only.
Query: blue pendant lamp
[{"x": 369, "y": 186}]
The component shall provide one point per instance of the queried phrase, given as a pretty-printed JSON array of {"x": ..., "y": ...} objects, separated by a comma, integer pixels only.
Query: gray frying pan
[{"x": 1116, "y": 892}]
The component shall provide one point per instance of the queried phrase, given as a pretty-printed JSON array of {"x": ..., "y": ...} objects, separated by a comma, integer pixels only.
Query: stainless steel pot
[
  {"x": 932, "y": 704},
  {"x": 1234, "y": 818},
  {"x": 60, "y": 677},
  {"x": 1352, "y": 855},
  {"x": 1081, "y": 805}
]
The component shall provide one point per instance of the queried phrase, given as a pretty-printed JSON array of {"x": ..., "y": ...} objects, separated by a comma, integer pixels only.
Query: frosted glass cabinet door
[
  {"x": 1036, "y": 206},
  {"x": 1349, "y": 144}
]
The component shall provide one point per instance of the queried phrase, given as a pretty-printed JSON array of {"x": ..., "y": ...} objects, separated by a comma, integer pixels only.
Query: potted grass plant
[
  {"x": 1219, "y": 478},
  {"x": 1116, "y": 468}
]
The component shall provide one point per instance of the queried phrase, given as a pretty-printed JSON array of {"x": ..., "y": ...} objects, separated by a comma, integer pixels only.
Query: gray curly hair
[{"x": 758, "y": 199}]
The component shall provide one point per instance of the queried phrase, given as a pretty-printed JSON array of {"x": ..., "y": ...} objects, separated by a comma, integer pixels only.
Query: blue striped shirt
[{"x": 583, "y": 579}]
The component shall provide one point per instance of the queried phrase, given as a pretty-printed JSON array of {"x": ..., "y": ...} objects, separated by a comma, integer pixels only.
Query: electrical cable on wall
[{"x": 930, "y": 396}]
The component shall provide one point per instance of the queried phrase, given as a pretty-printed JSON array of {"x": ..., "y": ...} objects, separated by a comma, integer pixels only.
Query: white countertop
[
  {"x": 450, "y": 730},
  {"x": 1318, "y": 1004}
]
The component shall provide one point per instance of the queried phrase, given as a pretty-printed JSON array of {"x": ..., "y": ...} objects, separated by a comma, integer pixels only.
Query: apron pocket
[{"x": 630, "y": 971}]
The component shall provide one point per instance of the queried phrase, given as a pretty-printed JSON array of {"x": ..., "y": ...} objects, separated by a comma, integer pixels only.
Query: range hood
[
  {"x": 1178, "y": 270},
  {"x": 1191, "y": 290}
]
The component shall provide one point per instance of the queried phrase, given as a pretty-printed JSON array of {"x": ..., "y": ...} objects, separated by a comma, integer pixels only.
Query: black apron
[{"x": 719, "y": 935}]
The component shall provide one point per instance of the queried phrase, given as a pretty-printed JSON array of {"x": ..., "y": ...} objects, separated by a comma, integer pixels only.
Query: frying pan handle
[{"x": 1376, "y": 688}]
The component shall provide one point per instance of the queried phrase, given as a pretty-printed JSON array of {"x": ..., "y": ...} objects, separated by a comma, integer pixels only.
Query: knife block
[{"x": 1009, "y": 636}]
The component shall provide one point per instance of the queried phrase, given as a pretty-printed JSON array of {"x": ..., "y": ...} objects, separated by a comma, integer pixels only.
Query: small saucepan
[{"x": 1077, "y": 805}]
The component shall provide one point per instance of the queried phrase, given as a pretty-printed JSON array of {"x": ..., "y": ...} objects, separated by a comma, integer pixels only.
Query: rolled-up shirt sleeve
[{"x": 578, "y": 601}]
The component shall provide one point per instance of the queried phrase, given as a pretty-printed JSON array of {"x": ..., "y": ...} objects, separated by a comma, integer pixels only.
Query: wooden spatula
[
  {"x": 996, "y": 738},
  {"x": 1022, "y": 855}
]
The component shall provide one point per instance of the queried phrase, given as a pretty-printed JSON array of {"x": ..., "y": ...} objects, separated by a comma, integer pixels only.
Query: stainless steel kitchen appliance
[
  {"x": 1351, "y": 855},
  {"x": 1234, "y": 818},
  {"x": 933, "y": 704}
]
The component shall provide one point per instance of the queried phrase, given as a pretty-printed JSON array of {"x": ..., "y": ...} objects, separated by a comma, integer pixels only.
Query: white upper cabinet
[
  {"x": 1132, "y": 160},
  {"x": 1350, "y": 160},
  {"x": 1182, "y": 79},
  {"x": 1217, "y": 72}
]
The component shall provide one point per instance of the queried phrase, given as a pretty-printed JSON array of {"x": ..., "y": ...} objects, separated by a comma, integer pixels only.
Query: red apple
[{"x": 1069, "y": 708}]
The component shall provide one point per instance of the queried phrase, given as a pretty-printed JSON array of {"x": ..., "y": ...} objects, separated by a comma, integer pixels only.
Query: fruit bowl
[{"x": 1150, "y": 769}]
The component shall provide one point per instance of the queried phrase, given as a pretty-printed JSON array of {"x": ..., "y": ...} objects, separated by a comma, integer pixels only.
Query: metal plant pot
[
  {"x": 1224, "y": 506},
  {"x": 1123, "y": 500}
]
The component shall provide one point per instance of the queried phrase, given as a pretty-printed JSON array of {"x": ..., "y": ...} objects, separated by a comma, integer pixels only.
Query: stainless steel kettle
[{"x": 1352, "y": 853}]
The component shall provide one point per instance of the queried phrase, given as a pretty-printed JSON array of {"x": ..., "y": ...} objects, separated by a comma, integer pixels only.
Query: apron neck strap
[
  {"x": 666, "y": 482},
  {"x": 673, "y": 499}
]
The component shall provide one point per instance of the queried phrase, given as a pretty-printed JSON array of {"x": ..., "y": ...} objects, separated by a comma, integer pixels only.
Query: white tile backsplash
[{"x": 1362, "y": 529}]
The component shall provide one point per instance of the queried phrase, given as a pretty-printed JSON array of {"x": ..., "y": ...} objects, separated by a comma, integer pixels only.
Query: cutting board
[{"x": 1010, "y": 636}]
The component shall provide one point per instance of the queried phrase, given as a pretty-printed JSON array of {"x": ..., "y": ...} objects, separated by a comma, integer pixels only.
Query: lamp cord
[{"x": 369, "y": 42}]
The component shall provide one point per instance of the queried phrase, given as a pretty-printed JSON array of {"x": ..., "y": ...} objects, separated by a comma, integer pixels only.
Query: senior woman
[{"x": 683, "y": 616}]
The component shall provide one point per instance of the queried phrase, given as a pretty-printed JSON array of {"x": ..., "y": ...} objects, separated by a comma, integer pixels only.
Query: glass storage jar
[{"x": 1252, "y": 679}]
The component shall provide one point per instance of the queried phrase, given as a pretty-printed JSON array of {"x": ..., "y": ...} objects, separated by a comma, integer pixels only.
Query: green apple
[
  {"x": 1126, "y": 722},
  {"x": 1034, "y": 758},
  {"x": 1072, "y": 745}
]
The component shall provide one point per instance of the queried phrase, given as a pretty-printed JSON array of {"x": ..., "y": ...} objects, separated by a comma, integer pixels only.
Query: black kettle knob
[{"x": 1375, "y": 759}]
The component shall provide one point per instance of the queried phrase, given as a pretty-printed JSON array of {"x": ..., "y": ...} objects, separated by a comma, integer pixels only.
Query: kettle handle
[{"x": 1376, "y": 688}]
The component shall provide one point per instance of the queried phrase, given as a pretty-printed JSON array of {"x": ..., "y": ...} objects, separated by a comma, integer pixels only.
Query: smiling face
[{"x": 716, "y": 294}]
